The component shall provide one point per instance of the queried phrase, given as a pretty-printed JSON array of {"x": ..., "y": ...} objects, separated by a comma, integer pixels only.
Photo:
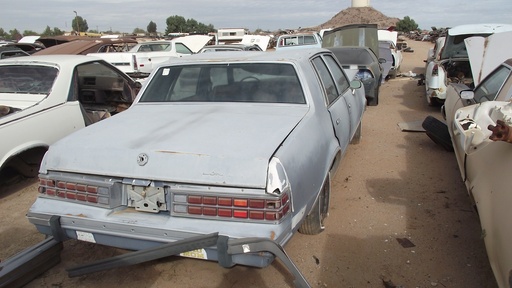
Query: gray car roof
[{"x": 298, "y": 55}]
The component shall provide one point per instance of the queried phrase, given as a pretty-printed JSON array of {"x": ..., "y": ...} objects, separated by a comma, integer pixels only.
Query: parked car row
[
  {"x": 448, "y": 62},
  {"x": 477, "y": 118},
  {"x": 210, "y": 142}
]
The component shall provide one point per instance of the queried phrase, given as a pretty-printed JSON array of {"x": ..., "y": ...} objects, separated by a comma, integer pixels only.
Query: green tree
[
  {"x": 176, "y": 24},
  {"x": 406, "y": 25},
  {"x": 3, "y": 34},
  {"x": 79, "y": 24},
  {"x": 15, "y": 34},
  {"x": 57, "y": 31},
  {"x": 49, "y": 32},
  {"x": 139, "y": 31},
  {"x": 29, "y": 33},
  {"x": 192, "y": 26},
  {"x": 151, "y": 28}
]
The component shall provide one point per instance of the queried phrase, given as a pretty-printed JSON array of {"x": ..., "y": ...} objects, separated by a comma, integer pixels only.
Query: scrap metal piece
[
  {"x": 254, "y": 245},
  {"x": 145, "y": 255},
  {"x": 30, "y": 263}
]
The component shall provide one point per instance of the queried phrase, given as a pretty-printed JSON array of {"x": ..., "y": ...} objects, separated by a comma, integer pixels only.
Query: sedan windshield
[{"x": 247, "y": 82}]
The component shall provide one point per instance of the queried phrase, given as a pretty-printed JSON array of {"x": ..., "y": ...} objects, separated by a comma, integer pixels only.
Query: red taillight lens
[
  {"x": 74, "y": 191},
  {"x": 135, "y": 64},
  {"x": 236, "y": 208}
]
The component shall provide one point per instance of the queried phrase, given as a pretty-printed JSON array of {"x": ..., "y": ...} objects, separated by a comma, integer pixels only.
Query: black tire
[
  {"x": 314, "y": 222},
  {"x": 373, "y": 101},
  {"x": 437, "y": 131}
]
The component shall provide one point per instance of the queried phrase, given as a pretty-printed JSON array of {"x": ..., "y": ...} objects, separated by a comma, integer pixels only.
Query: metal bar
[
  {"x": 150, "y": 254},
  {"x": 252, "y": 245},
  {"x": 30, "y": 263}
]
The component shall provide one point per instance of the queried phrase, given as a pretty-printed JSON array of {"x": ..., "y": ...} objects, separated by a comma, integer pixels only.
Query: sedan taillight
[
  {"x": 87, "y": 193},
  {"x": 267, "y": 209}
]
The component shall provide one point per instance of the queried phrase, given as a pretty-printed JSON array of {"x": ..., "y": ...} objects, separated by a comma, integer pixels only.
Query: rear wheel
[{"x": 314, "y": 222}]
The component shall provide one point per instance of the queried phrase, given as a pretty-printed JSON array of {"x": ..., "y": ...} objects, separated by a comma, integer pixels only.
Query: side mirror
[
  {"x": 354, "y": 85},
  {"x": 467, "y": 95}
]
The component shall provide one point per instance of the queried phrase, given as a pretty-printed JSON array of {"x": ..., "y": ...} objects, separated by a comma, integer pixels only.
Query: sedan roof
[{"x": 297, "y": 55}]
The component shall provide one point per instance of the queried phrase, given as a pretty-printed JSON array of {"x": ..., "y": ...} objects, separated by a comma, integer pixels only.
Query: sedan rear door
[{"x": 338, "y": 108}]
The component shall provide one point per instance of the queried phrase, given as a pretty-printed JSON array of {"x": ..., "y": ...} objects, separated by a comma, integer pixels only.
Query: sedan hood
[{"x": 224, "y": 144}]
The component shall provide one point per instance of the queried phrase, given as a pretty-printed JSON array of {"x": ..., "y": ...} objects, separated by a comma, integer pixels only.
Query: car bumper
[{"x": 132, "y": 230}]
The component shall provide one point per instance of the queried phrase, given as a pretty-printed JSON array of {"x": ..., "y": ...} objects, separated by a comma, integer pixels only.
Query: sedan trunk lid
[{"x": 222, "y": 144}]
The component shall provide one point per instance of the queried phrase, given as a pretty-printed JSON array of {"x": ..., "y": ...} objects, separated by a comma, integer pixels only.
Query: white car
[
  {"x": 491, "y": 61},
  {"x": 299, "y": 41},
  {"x": 388, "y": 39},
  {"x": 44, "y": 98},
  {"x": 485, "y": 169},
  {"x": 482, "y": 163},
  {"x": 452, "y": 64}
]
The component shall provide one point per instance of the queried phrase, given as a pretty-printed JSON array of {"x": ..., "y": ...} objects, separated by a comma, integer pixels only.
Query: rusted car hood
[
  {"x": 224, "y": 144},
  {"x": 486, "y": 53}
]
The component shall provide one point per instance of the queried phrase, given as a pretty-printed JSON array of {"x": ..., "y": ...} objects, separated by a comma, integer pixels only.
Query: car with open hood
[
  {"x": 491, "y": 62},
  {"x": 214, "y": 143},
  {"x": 452, "y": 63},
  {"x": 482, "y": 162},
  {"x": 45, "y": 98}
]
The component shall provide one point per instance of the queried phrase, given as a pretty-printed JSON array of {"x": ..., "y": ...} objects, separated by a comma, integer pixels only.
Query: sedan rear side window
[{"x": 327, "y": 82}]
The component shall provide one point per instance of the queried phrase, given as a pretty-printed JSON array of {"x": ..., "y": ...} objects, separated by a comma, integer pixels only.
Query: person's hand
[{"x": 500, "y": 132}]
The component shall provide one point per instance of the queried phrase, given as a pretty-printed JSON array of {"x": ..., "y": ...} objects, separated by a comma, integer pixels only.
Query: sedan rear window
[
  {"x": 24, "y": 79},
  {"x": 245, "y": 82}
]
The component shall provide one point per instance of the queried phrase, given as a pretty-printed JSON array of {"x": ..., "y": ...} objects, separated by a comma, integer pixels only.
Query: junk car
[
  {"x": 243, "y": 144},
  {"x": 484, "y": 166},
  {"x": 44, "y": 98},
  {"x": 366, "y": 66},
  {"x": 452, "y": 64}
]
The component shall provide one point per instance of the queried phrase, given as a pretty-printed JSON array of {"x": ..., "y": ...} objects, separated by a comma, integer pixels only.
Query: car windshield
[
  {"x": 489, "y": 88},
  {"x": 455, "y": 47},
  {"x": 246, "y": 82},
  {"x": 27, "y": 79}
]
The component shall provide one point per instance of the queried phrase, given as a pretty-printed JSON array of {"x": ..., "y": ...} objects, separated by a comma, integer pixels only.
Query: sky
[{"x": 269, "y": 15}]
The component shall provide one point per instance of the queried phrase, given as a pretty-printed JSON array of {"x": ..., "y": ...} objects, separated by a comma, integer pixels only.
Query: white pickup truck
[{"x": 143, "y": 57}]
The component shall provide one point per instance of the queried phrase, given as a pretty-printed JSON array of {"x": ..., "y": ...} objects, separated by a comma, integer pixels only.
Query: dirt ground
[{"x": 400, "y": 215}]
